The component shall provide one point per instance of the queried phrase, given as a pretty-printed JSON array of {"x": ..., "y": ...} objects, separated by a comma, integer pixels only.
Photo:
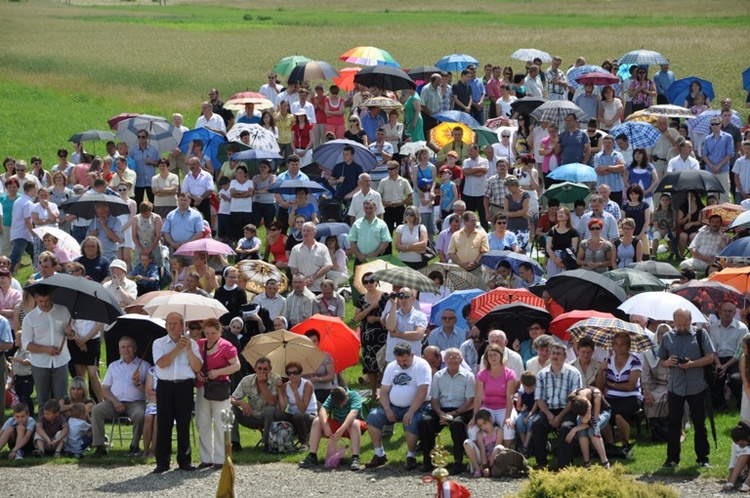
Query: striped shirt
[
  {"x": 554, "y": 389},
  {"x": 623, "y": 375}
]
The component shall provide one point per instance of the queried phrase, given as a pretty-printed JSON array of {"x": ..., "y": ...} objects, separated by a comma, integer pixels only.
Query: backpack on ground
[
  {"x": 509, "y": 463},
  {"x": 281, "y": 437}
]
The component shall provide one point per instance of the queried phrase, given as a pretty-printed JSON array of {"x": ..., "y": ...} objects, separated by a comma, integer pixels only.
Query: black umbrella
[
  {"x": 692, "y": 179},
  {"x": 385, "y": 78},
  {"x": 90, "y": 135},
  {"x": 527, "y": 105},
  {"x": 514, "y": 319},
  {"x": 585, "y": 290},
  {"x": 423, "y": 72},
  {"x": 657, "y": 269},
  {"x": 83, "y": 205},
  {"x": 142, "y": 328},
  {"x": 85, "y": 299}
]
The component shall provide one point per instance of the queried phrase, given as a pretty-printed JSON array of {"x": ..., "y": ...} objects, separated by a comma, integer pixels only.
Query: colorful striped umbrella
[
  {"x": 369, "y": 56},
  {"x": 603, "y": 330},
  {"x": 481, "y": 305}
]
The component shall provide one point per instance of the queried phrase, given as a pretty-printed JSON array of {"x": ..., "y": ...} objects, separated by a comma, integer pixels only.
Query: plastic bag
[{"x": 335, "y": 452}]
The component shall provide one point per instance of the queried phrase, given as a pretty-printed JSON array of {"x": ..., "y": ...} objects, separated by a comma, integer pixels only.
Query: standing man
[
  {"x": 405, "y": 323},
  {"x": 284, "y": 201},
  {"x": 685, "y": 358},
  {"x": 492, "y": 88},
  {"x": 345, "y": 175},
  {"x": 311, "y": 258},
  {"x": 477, "y": 95},
  {"x": 371, "y": 121},
  {"x": 200, "y": 185},
  {"x": 146, "y": 157},
  {"x": 177, "y": 360},
  {"x": 495, "y": 192},
  {"x": 462, "y": 94},
  {"x": 21, "y": 226},
  {"x": 557, "y": 83},
  {"x": 217, "y": 105},
  {"x": 475, "y": 182},
  {"x": 533, "y": 82},
  {"x": 396, "y": 193},
  {"x": 271, "y": 89},
  {"x": 741, "y": 171},
  {"x": 432, "y": 101},
  {"x": 728, "y": 127},
  {"x": 662, "y": 79},
  {"x": 6, "y": 334},
  {"x": 467, "y": 247},
  {"x": 106, "y": 228},
  {"x": 305, "y": 105},
  {"x": 717, "y": 152},
  {"x": 356, "y": 208},
  {"x": 271, "y": 300},
  {"x": 685, "y": 160},
  {"x": 44, "y": 332},
  {"x": 663, "y": 150},
  {"x": 182, "y": 224},
  {"x": 609, "y": 166},
  {"x": 369, "y": 236},
  {"x": 575, "y": 143},
  {"x": 299, "y": 302},
  {"x": 609, "y": 232},
  {"x": 726, "y": 335}
]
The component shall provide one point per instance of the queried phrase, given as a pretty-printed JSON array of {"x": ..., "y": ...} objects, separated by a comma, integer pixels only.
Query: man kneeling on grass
[{"x": 338, "y": 417}]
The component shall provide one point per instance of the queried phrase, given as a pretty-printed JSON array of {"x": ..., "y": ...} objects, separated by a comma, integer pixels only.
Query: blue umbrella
[
  {"x": 255, "y": 155},
  {"x": 680, "y": 89},
  {"x": 639, "y": 133},
  {"x": 624, "y": 71},
  {"x": 746, "y": 79},
  {"x": 702, "y": 124},
  {"x": 328, "y": 229},
  {"x": 210, "y": 140},
  {"x": 456, "y": 301},
  {"x": 493, "y": 258},
  {"x": 289, "y": 187},
  {"x": 456, "y": 62},
  {"x": 643, "y": 58},
  {"x": 740, "y": 248},
  {"x": 331, "y": 153},
  {"x": 575, "y": 172},
  {"x": 457, "y": 117}
]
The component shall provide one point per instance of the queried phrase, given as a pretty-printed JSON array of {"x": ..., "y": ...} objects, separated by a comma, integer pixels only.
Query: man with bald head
[
  {"x": 685, "y": 350},
  {"x": 511, "y": 359},
  {"x": 664, "y": 149}
]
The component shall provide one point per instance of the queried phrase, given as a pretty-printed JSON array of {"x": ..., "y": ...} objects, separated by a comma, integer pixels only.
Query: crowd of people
[{"x": 455, "y": 203}]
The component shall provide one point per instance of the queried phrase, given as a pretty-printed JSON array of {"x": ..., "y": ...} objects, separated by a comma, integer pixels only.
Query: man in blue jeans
[{"x": 21, "y": 226}]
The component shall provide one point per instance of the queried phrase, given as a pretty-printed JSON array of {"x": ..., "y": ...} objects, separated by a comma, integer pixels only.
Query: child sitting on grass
[
  {"x": 51, "y": 431},
  {"x": 526, "y": 409},
  {"x": 740, "y": 458},
  {"x": 17, "y": 432},
  {"x": 249, "y": 246},
  {"x": 79, "y": 431},
  {"x": 482, "y": 451},
  {"x": 145, "y": 274},
  {"x": 593, "y": 413}
]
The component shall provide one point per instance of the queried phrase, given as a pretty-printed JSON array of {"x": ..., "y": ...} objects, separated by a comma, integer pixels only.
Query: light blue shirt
[
  {"x": 109, "y": 247},
  {"x": 144, "y": 172},
  {"x": 5, "y": 333},
  {"x": 439, "y": 338},
  {"x": 477, "y": 89},
  {"x": 183, "y": 226},
  {"x": 662, "y": 81},
  {"x": 614, "y": 180},
  {"x": 716, "y": 149}
]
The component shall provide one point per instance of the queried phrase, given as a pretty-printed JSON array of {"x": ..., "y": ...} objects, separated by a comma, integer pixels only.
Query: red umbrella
[
  {"x": 336, "y": 339},
  {"x": 345, "y": 81},
  {"x": 481, "y": 305},
  {"x": 113, "y": 121},
  {"x": 598, "y": 78},
  {"x": 559, "y": 325}
]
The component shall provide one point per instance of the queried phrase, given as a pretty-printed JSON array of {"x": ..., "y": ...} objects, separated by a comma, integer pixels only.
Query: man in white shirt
[
  {"x": 405, "y": 322},
  {"x": 533, "y": 82},
  {"x": 303, "y": 104},
  {"x": 271, "y": 90},
  {"x": 685, "y": 160},
  {"x": 726, "y": 335},
  {"x": 475, "y": 182},
  {"x": 271, "y": 299},
  {"x": 200, "y": 186},
  {"x": 557, "y": 83},
  {"x": 365, "y": 193},
  {"x": 210, "y": 120},
  {"x": 311, "y": 258},
  {"x": 291, "y": 94}
]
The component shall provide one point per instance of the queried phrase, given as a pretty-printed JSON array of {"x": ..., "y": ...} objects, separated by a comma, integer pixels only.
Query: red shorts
[{"x": 334, "y": 426}]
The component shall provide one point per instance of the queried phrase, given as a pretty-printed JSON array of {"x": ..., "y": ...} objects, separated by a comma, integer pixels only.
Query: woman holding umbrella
[
  {"x": 411, "y": 239},
  {"x": 367, "y": 311},
  {"x": 561, "y": 238},
  {"x": 413, "y": 122},
  {"x": 689, "y": 220},
  {"x": 596, "y": 254}
]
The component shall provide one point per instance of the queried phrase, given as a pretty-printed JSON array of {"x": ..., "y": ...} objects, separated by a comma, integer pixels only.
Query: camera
[{"x": 681, "y": 360}]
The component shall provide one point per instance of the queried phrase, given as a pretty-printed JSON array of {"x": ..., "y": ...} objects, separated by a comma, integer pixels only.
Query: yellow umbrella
[
  {"x": 281, "y": 347},
  {"x": 371, "y": 267},
  {"x": 642, "y": 116},
  {"x": 442, "y": 134}
]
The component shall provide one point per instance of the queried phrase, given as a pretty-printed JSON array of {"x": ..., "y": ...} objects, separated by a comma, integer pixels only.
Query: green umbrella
[
  {"x": 567, "y": 192},
  {"x": 635, "y": 281},
  {"x": 284, "y": 66},
  {"x": 223, "y": 155},
  {"x": 485, "y": 136}
]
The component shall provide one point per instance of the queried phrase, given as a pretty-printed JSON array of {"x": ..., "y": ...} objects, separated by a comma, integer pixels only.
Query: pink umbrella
[
  {"x": 598, "y": 79},
  {"x": 207, "y": 245}
]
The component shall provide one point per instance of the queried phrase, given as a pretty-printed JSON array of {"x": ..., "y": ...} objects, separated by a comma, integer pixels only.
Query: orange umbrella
[
  {"x": 739, "y": 278},
  {"x": 336, "y": 339},
  {"x": 346, "y": 79},
  {"x": 442, "y": 134},
  {"x": 728, "y": 213},
  {"x": 483, "y": 304}
]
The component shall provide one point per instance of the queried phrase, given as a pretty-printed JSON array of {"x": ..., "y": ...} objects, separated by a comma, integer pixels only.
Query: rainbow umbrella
[
  {"x": 345, "y": 81},
  {"x": 369, "y": 56}
]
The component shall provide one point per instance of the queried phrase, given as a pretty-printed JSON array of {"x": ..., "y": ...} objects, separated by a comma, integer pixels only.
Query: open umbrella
[
  {"x": 227, "y": 149},
  {"x": 423, "y": 73},
  {"x": 598, "y": 78},
  {"x": 561, "y": 323},
  {"x": 255, "y": 155},
  {"x": 237, "y": 101},
  {"x": 603, "y": 330},
  {"x": 411, "y": 148},
  {"x": 739, "y": 248},
  {"x": 738, "y": 278},
  {"x": 527, "y": 105},
  {"x": 85, "y": 299},
  {"x": 556, "y": 110},
  {"x": 492, "y": 259},
  {"x": 682, "y": 181},
  {"x": 336, "y": 339},
  {"x": 454, "y": 277},
  {"x": 639, "y": 133},
  {"x": 577, "y": 71},
  {"x": 161, "y": 133},
  {"x": 746, "y": 79},
  {"x": 669, "y": 111},
  {"x": 455, "y": 301},
  {"x": 485, "y": 136},
  {"x": 345, "y": 80},
  {"x": 728, "y": 212},
  {"x": 65, "y": 242},
  {"x": 211, "y": 141},
  {"x": 709, "y": 294},
  {"x": 369, "y": 56},
  {"x": 331, "y": 229},
  {"x": 442, "y": 134},
  {"x": 584, "y": 289},
  {"x": 702, "y": 123},
  {"x": 258, "y": 273},
  {"x": 529, "y": 54},
  {"x": 191, "y": 307},
  {"x": 635, "y": 281},
  {"x": 83, "y": 205},
  {"x": 660, "y": 306},
  {"x": 657, "y": 269},
  {"x": 382, "y": 263},
  {"x": 515, "y": 319},
  {"x": 642, "y": 117},
  {"x": 331, "y": 153},
  {"x": 385, "y": 78},
  {"x": 207, "y": 245},
  {"x": 456, "y": 62},
  {"x": 456, "y": 117},
  {"x": 312, "y": 70},
  {"x": 112, "y": 122},
  {"x": 92, "y": 135},
  {"x": 567, "y": 192},
  {"x": 481, "y": 305},
  {"x": 260, "y": 138},
  {"x": 383, "y": 102},
  {"x": 141, "y": 328},
  {"x": 643, "y": 58},
  {"x": 289, "y": 187},
  {"x": 680, "y": 89},
  {"x": 285, "y": 65},
  {"x": 741, "y": 221},
  {"x": 574, "y": 172},
  {"x": 137, "y": 306},
  {"x": 406, "y": 277},
  {"x": 282, "y": 347}
]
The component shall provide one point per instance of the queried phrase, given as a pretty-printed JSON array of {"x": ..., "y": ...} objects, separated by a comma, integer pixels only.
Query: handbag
[
  {"x": 214, "y": 390},
  {"x": 659, "y": 424},
  {"x": 569, "y": 259},
  {"x": 429, "y": 251}
]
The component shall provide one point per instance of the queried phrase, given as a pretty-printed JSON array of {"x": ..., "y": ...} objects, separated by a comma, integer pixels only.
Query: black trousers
[
  {"x": 393, "y": 217},
  {"x": 696, "y": 403},
  {"x": 139, "y": 191},
  {"x": 429, "y": 428},
  {"x": 205, "y": 209},
  {"x": 476, "y": 204},
  {"x": 174, "y": 404},
  {"x": 539, "y": 432},
  {"x": 732, "y": 378}
]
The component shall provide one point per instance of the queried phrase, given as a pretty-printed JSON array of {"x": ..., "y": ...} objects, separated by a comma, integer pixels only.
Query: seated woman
[
  {"x": 301, "y": 206},
  {"x": 339, "y": 273},
  {"x": 596, "y": 253},
  {"x": 276, "y": 246},
  {"x": 297, "y": 403},
  {"x": 500, "y": 238},
  {"x": 689, "y": 220},
  {"x": 629, "y": 247},
  {"x": 208, "y": 280},
  {"x": 323, "y": 378},
  {"x": 593, "y": 414},
  {"x": 295, "y": 235},
  {"x": 77, "y": 393},
  {"x": 654, "y": 380},
  {"x": 560, "y": 238}
]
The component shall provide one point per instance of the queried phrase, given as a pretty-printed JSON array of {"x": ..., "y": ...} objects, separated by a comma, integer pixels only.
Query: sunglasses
[
  {"x": 122, "y": 190},
  {"x": 368, "y": 280},
  {"x": 292, "y": 372},
  {"x": 501, "y": 223},
  {"x": 715, "y": 124},
  {"x": 449, "y": 318},
  {"x": 274, "y": 229},
  {"x": 142, "y": 136},
  {"x": 595, "y": 228},
  {"x": 392, "y": 169},
  {"x": 410, "y": 213}
]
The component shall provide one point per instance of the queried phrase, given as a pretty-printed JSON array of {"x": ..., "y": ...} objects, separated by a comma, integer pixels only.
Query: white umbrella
[
  {"x": 260, "y": 138},
  {"x": 413, "y": 147},
  {"x": 65, "y": 242},
  {"x": 190, "y": 306},
  {"x": 161, "y": 133},
  {"x": 660, "y": 306}
]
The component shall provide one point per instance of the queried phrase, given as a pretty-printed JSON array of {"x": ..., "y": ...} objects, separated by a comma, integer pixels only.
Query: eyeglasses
[
  {"x": 37, "y": 162},
  {"x": 715, "y": 124},
  {"x": 274, "y": 229},
  {"x": 354, "y": 121},
  {"x": 122, "y": 190},
  {"x": 475, "y": 338},
  {"x": 505, "y": 136},
  {"x": 392, "y": 169},
  {"x": 292, "y": 372}
]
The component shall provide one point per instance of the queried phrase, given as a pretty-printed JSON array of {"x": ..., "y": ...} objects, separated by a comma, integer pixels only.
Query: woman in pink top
[
  {"x": 549, "y": 149},
  {"x": 495, "y": 387},
  {"x": 335, "y": 113},
  {"x": 219, "y": 362},
  {"x": 319, "y": 103}
]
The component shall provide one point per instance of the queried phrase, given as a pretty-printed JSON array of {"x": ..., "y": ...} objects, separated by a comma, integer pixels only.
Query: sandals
[
  {"x": 728, "y": 486},
  {"x": 744, "y": 488},
  {"x": 606, "y": 464},
  {"x": 587, "y": 464}
]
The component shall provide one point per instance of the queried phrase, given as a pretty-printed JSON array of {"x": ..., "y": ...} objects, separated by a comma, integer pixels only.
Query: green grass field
[{"x": 68, "y": 68}]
